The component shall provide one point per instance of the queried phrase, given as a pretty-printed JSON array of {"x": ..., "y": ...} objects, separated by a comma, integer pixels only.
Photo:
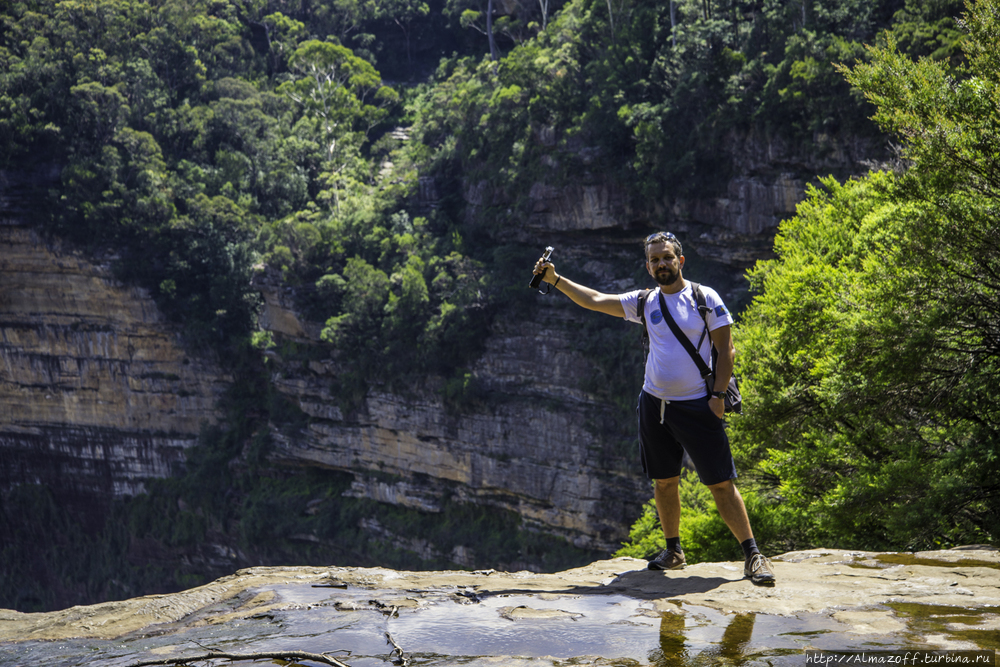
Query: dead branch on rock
[
  {"x": 220, "y": 655},
  {"x": 401, "y": 659}
]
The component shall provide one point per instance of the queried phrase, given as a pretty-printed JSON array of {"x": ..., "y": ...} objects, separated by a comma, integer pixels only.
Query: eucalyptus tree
[{"x": 342, "y": 98}]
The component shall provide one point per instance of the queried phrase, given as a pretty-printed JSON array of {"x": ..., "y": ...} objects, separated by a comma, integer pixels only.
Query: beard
[{"x": 667, "y": 277}]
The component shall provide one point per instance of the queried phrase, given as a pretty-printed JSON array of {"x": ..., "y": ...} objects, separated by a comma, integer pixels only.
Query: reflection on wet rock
[{"x": 612, "y": 613}]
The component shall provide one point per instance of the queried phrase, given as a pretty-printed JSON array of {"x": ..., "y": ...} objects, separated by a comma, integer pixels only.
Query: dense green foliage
[
  {"x": 655, "y": 107},
  {"x": 192, "y": 155},
  {"x": 191, "y": 147},
  {"x": 872, "y": 350}
]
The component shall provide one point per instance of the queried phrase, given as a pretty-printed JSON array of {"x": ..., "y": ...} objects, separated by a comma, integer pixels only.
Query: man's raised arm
[{"x": 588, "y": 298}]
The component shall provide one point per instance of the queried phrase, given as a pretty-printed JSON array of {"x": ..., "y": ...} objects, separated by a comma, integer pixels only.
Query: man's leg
[
  {"x": 666, "y": 493},
  {"x": 662, "y": 457},
  {"x": 729, "y": 502}
]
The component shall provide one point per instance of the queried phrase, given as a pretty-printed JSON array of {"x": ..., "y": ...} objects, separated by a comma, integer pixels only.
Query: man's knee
[
  {"x": 667, "y": 483},
  {"x": 724, "y": 488}
]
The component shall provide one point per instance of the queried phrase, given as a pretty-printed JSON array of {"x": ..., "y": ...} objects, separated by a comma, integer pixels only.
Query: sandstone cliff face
[
  {"x": 530, "y": 449},
  {"x": 96, "y": 392},
  {"x": 768, "y": 180}
]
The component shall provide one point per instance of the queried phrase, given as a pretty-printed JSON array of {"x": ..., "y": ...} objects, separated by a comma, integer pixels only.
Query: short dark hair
[{"x": 662, "y": 237}]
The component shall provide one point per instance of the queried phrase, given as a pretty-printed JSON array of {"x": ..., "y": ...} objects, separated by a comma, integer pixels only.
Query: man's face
[{"x": 663, "y": 264}]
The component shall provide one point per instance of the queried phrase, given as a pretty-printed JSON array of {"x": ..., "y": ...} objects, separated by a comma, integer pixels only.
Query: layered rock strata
[
  {"x": 736, "y": 226},
  {"x": 97, "y": 392},
  {"x": 531, "y": 449}
]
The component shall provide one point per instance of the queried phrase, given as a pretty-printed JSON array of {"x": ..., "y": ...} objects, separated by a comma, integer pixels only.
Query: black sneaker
[
  {"x": 758, "y": 570},
  {"x": 668, "y": 560}
]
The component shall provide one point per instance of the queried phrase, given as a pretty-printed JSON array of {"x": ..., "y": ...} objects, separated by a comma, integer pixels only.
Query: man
[{"x": 677, "y": 412}]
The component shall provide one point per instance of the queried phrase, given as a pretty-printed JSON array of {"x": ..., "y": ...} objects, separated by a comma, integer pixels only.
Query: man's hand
[
  {"x": 717, "y": 405},
  {"x": 546, "y": 269}
]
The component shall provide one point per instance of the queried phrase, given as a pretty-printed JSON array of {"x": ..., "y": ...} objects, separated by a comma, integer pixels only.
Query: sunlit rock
[{"x": 613, "y": 612}]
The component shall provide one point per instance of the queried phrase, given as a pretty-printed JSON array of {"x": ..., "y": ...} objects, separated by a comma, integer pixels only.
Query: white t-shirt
[{"x": 671, "y": 374}]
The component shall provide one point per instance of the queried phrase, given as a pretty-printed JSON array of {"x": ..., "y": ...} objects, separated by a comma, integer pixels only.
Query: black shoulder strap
[
  {"x": 699, "y": 298},
  {"x": 641, "y": 308},
  {"x": 684, "y": 340},
  {"x": 703, "y": 310}
]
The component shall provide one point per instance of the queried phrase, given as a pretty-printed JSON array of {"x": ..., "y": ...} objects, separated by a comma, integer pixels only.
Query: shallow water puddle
[
  {"x": 298, "y": 617},
  {"x": 456, "y": 627},
  {"x": 530, "y": 626},
  {"x": 892, "y": 559},
  {"x": 955, "y": 627}
]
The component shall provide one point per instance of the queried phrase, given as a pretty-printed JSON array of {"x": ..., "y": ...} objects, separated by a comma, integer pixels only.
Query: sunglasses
[
  {"x": 663, "y": 237},
  {"x": 658, "y": 236}
]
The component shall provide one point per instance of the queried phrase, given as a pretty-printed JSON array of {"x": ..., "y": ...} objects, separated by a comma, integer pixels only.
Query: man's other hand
[{"x": 717, "y": 405}]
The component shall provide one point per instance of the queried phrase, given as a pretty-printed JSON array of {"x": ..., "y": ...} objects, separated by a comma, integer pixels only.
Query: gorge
[{"x": 100, "y": 394}]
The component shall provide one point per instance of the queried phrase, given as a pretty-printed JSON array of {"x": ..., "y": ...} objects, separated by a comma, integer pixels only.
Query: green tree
[
  {"x": 342, "y": 98},
  {"x": 872, "y": 347}
]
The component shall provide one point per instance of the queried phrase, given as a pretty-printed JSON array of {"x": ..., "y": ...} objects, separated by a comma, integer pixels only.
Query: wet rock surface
[{"x": 612, "y": 613}]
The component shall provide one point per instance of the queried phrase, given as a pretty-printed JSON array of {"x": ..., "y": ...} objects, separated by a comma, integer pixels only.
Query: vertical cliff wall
[
  {"x": 529, "y": 445},
  {"x": 96, "y": 391},
  {"x": 735, "y": 225},
  {"x": 99, "y": 394}
]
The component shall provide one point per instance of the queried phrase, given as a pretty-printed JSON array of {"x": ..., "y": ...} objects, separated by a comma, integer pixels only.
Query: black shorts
[{"x": 688, "y": 426}]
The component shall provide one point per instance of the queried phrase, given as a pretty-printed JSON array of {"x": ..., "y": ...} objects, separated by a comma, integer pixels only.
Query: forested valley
[{"x": 203, "y": 142}]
